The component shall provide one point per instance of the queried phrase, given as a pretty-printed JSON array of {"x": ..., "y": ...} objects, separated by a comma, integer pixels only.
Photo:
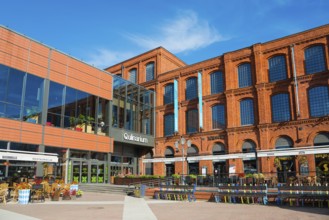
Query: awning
[
  {"x": 294, "y": 151},
  {"x": 249, "y": 156},
  {"x": 28, "y": 156}
]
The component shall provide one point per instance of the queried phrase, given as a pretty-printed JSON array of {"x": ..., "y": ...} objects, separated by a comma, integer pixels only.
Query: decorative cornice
[
  {"x": 210, "y": 68},
  {"x": 246, "y": 129},
  {"x": 291, "y": 124},
  {"x": 275, "y": 49},
  {"x": 241, "y": 91}
]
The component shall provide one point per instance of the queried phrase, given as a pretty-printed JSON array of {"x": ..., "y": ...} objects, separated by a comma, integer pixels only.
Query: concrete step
[{"x": 106, "y": 188}]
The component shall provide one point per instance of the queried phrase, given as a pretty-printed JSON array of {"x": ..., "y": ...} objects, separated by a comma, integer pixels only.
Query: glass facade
[
  {"x": 277, "y": 68},
  {"x": 21, "y": 95},
  {"x": 191, "y": 91},
  {"x": 314, "y": 59},
  {"x": 280, "y": 107},
  {"x": 217, "y": 82},
  {"x": 244, "y": 74},
  {"x": 22, "y": 98},
  {"x": 133, "y": 107},
  {"x": 218, "y": 116},
  {"x": 319, "y": 101},
  {"x": 247, "y": 112}
]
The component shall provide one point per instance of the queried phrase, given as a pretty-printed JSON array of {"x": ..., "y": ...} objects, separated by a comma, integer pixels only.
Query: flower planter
[
  {"x": 66, "y": 198},
  {"x": 24, "y": 196}
]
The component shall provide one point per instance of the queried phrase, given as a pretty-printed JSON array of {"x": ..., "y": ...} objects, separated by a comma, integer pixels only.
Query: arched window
[
  {"x": 247, "y": 112},
  {"x": 169, "y": 94},
  {"x": 277, "y": 68},
  {"x": 321, "y": 139},
  {"x": 217, "y": 82},
  {"x": 280, "y": 107},
  {"x": 133, "y": 75},
  {"x": 191, "y": 91},
  {"x": 244, "y": 74},
  {"x": 248, "y": 146},
  {"x": 314, "y": 59},
  {"x": 218, "y": 149},
  {"x": 318, "y": 98},
  {"x": 192, "y": 151},
  {"x": 218, "y": 116},
  {"x": 192, "y": 121},
  {"x": 169, "y": 153},
  {"x": 169, "y": 125},
  {"x": 283, "y": 142},
  {"x": 150, "y": 71}
]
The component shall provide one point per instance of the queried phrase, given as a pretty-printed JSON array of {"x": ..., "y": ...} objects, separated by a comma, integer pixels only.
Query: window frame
[
  {"x": 323, "y": 61},
  {"x": 246, "y": 73},
  {"x": 279, "y": 115},
  {"x": 273, "y": 71}
]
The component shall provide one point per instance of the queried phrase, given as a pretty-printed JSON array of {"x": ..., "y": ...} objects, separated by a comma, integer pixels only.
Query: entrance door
[
  {"x": 170, "y": 169},
  {"x": 193, "y": 168},
  {"x": 97, "y": 173},
  {"x": 286, "y": 170},
  {"x": 80, "y": 171},
  {"x": 220, "y": 172}
]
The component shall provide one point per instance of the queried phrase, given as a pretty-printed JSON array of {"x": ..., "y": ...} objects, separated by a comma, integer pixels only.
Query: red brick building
[{"x": 265, "y": 108}]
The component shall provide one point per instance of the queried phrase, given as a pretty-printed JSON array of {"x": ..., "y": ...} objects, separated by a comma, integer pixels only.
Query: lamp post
[{"x": 182, "y": 142}]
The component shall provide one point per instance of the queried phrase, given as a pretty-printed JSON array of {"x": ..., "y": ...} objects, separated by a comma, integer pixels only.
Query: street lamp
[{"x": 182, "y": 142}]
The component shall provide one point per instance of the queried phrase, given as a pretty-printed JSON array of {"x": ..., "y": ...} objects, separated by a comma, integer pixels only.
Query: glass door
[
  {"x": 76, "y": 171},
  {"x": 84, "y": 173},
  {"x": 97, "y": 173}
]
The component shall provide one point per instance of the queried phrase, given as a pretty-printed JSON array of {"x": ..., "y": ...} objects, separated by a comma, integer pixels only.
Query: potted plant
[
  {"x": 66, "y": 194},
  {"x": 79, "y": 193},
  {"x": 24, "y": 191},
  {"x": 176, "y": 178},
  {"x": 55, "y": 194},
  {"x": 249, "y": 178}
]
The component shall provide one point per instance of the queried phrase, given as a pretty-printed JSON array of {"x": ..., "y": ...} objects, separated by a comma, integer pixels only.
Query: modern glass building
[{"x": 63, "y": 118}]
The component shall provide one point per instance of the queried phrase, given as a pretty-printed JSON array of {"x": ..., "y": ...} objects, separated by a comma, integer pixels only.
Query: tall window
[
  {"x": 217, "y": 82},
  {"x": 277, "y": 68},
  {"x": 244, "y": 73},
  {"x": 191, "y": 91},
  {"x": 249, "y": 165},
  {"x": 314, "y": 59},
  {"x": 192, "y": 121},
  {"x": 150, "y": 71},
  {"x": 169, "y": 125},
  {"x": 318, "y": 98},
  {"x": 280, "y": 107},
  {"x": 169, "y": 94},
  {"x": 218, "y": 116},
  {"x": 55, "y": 103},
  {"x": 133, "y": 75},
  {"x": 247, "y": 112}
]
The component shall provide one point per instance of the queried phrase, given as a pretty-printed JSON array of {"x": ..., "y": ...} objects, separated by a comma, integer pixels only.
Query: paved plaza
[{"x": 98, "y": 206}]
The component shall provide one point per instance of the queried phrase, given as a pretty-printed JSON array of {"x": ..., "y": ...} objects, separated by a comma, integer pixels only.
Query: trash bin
[{"x": 140, "y": 191}]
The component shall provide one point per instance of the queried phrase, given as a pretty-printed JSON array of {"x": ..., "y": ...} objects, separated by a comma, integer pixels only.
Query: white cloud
[
  {"x": 104, "y": 58},
  {"x": 186, "y": 32}
]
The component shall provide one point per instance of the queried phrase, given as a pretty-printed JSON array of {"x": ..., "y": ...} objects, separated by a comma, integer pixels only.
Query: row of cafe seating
[{"x": 40, "y": 190}]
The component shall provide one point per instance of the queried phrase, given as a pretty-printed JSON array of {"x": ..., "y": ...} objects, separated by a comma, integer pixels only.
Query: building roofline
[
  {"x": 142, "y": 54},
  {"x": 247, "y": 47},
  {"x": 52, "y": 48}
]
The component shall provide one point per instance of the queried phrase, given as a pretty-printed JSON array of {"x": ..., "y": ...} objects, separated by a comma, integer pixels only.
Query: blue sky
[{"x": 105, "y": 32}]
